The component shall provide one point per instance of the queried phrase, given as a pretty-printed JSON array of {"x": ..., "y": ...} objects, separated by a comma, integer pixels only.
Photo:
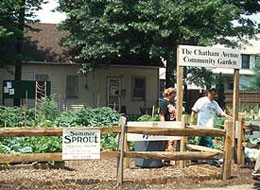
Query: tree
[
  {"x": 201, "y": 77},
  {"x": 220, "y": 90},
  {"x": 104, "y": 31},
  {"x": 15, "y": 16},
  {"x": 256, "y": 77}
]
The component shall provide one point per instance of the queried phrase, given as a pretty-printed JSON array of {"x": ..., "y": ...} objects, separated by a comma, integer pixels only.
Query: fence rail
[{"x": 57, "y": 131}]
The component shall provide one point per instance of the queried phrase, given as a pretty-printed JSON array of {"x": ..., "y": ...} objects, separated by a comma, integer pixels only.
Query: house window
[
  {"x": 230, "y": 85},
  {"x": 41, "y": 77},
  {"x": 138, "y": 88},
  {"x": 245, "y": 61},
  {"x": 72, "y": 87}
]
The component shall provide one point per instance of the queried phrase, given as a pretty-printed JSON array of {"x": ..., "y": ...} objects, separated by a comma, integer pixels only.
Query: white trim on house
[
  {"x": 231, "y": 71},
  {"x": 78, "y": 64}
]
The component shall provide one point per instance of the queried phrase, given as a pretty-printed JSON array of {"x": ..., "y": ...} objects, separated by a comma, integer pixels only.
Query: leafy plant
[
  {"x": 48, "y": 109},
  {"x": 88, "y": 116},
  {"x": 30, "y": 144},
  {"x": 149, "y": 118},
  {"x": 11, "y": 116},
  {"x": 220, "y": 90},
  {"x": 48, "y": 117}
]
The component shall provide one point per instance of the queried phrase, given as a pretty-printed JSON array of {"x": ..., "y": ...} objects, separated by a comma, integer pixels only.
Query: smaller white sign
[
  {"x": 252, "y": 134},
  {"x": 9, "y": 84},
  {"x": 80, "y": 144},
  {"x": 6, "y": 90},
  {"x": 154, "y": 124},
  {"x": 11, "y": 91},
  {"x": 143, "y": 137}
]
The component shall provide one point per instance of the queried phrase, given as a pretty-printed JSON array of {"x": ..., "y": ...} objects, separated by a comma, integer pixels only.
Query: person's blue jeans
[{"x": 206, "y": 141}]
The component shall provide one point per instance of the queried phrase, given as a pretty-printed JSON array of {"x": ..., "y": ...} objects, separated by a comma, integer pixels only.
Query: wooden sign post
[
  {"x": 235, "y": 107},
  {"x": 179, "y": 104},
  {"x": 197, "y": 56}
]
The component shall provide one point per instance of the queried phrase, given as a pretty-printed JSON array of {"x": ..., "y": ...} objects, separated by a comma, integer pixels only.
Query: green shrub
[
  {"x": 219, "y": 122},
  {"x": 11, "y": 116},
  {"x": 48, "y": 117},
  {"x": 148, "y": 118},
  {"x": 30, "y": 145},
  {"x": 87, "y": 116},
  {"x": 48, "y": 110}
]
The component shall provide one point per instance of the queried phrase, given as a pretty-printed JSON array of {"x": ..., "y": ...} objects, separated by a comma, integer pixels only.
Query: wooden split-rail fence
[
  {"x": 245, "y": 130},
  {"x": 124, "y": 128}
]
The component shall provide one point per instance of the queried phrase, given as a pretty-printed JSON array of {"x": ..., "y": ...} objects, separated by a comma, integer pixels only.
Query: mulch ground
[{"x": 101, "y": 174}]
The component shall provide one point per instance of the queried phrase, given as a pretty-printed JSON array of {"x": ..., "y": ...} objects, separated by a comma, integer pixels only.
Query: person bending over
[{"x": 207, "y": 108}]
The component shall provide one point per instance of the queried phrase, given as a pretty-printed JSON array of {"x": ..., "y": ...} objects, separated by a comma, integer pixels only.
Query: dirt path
[
  {"x": 102, "y": 175},
  {"x": 235, "y": 187}
]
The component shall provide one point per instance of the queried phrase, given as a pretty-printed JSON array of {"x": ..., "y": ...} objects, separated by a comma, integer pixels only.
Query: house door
[{"x": 114, "y": 89}]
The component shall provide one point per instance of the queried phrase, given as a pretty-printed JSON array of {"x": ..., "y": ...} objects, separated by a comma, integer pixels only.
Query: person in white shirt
[
  {"x": 207, "y": 108},
  {"x": 256, "y": 172}
]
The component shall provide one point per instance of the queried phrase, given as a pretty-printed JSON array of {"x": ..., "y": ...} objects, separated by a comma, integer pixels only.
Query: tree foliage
[
  {"x": 220, "y": 90},
  {"x": 201, "y": 77},
  {"x": 13, "y": 14},
  {"x": 256, "y": 77},
  {"x": 104, "y": 30}
]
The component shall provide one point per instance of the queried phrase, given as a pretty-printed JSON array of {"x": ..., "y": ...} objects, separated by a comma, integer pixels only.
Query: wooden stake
[
  {"x": 226, "y": 173},
  {"x": 127, "y": 161},
  {"x": 120, "y": 168},
  {"x": 235, "y": 107},
  {"x": 153, "y": 112},
  {"x": 184, "y": 119},
  {"x": 240, "y": 149}
]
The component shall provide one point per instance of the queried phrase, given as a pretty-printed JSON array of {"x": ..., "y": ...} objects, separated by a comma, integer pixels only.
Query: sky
[{"x": 47, "y": 16}]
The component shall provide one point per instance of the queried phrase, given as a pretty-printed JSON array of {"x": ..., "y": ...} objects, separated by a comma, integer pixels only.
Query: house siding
[{"x": 92, "y": 88}]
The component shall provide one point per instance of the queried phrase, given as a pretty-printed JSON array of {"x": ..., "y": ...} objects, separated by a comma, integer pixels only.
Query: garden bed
[{"x": 101, "y": 174}]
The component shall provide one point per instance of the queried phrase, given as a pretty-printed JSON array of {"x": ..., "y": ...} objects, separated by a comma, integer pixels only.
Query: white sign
[
  {"x": 197, "y": 56},
  {"x": 80, "y": 144},
  {"x": 11, "y": 91},
  {"x": 6, "y": 90},
  {"x": 141, "y": 137},
  {"x": 9, "y": 84},
  {"x": 144, "y": 137},
  {"x": 256, "y": 123},
  {"x": 252, "y": 134}
]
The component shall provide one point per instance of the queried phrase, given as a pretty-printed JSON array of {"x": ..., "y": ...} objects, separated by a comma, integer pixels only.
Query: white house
[
  {"x": 249, "y": 54},
  {"x": 128, "y": 84}
]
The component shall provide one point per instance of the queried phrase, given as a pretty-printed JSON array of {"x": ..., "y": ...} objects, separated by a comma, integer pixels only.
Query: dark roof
[{"x": 42, "y": 45}]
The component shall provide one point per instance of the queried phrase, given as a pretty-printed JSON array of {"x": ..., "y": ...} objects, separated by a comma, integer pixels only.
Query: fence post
[
  {"x": 127, "y": 161},
  {"x": 240, "y": 137},
  {"x": 226, "y": 173},
  {"x": 184, "y": 119},
  {"x": 120, "y": 167}
]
